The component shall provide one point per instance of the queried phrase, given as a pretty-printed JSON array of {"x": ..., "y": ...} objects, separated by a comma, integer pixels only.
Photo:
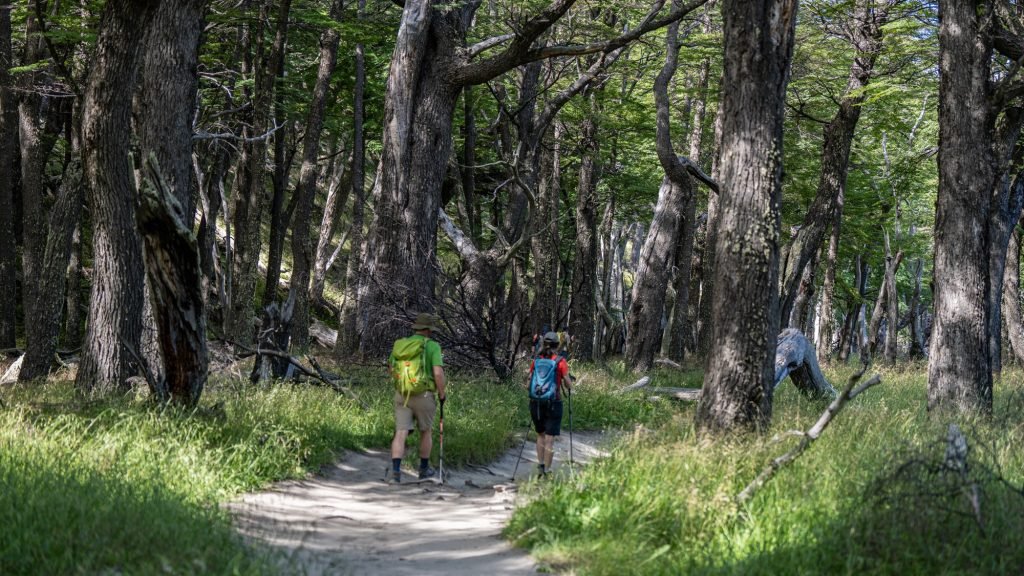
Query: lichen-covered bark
[{"x": 738, "y": 379}]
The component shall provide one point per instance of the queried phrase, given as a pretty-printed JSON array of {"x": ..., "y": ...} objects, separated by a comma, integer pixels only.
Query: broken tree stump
[{"x": 795, "y": 357}]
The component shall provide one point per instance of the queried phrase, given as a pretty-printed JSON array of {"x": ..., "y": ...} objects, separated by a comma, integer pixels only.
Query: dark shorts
[{"x": 547, "y": 416}]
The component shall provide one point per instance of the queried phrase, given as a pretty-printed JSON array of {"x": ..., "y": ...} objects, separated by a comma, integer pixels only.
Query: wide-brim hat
[{"x": 425, "y": 321}]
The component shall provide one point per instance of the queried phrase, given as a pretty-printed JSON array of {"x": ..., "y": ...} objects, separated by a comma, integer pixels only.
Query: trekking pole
[
  {"x": 520, "y": 457},
  {"x": 440, "y": 457},
  {"x": 571, "y": 462}
]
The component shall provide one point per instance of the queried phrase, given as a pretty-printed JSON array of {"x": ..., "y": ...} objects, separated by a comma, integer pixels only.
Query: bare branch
[{"x": 476, "y": 49}]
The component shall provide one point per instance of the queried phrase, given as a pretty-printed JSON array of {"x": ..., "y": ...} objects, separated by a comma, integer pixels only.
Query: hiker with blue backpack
[
  {"x": 549, "y": 377},
  {"x": 417, "y": 368}
]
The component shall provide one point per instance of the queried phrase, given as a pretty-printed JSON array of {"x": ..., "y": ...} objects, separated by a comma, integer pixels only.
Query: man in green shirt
[{"x": 419, "y": 354}]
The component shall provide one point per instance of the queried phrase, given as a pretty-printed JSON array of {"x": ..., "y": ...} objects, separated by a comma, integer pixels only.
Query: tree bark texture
[
  {"x": 115, "y": 308},
  {"x": 917, "y": 345},
  {"x": 1011, "y": 297},
  {"x": 248, "y": 190},
  {"x": 866, "y": 37},
  {"x": 958, "y": 362},
  {"x": 282, "y": 161},
  {"x": 707, "y": 287},
  {"x": 302, "y": 243},
  {"x": 584, "y": 274},
  {"x": 74, "y": 321},
  {"x": 828, "y": 288},
  {"x": 175, "y": 281},
  {"x": 42, "y": 330},
  {"x": 738, "y": 379},
  {"x": 8, "y": 147},
  {"x": 544, "y": 242}
]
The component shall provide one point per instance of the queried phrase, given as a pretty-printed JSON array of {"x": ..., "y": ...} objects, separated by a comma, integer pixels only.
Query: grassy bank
[
  {"x": 120, "y": 486},
  {"x": 868, "y": 497}
]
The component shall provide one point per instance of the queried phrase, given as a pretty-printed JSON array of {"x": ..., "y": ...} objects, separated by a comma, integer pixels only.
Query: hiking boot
[
  {"x": 427, "y": 472},
  {"x": 393, "y": 477}
]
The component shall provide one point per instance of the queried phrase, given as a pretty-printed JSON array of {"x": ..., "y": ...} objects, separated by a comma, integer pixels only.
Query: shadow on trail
[{"x": 347, "y": 521}]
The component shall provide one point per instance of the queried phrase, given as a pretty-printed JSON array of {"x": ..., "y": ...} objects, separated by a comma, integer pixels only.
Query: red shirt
[{"x": 561, "y": 372}]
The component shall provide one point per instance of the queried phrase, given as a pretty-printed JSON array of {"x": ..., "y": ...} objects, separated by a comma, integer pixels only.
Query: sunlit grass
[{"x": 664, "y": 502}]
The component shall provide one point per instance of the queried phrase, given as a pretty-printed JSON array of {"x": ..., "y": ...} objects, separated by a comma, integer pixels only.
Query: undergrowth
[
  {"x": 118, "y": 485},
  {"x": 664, "y": 501}
]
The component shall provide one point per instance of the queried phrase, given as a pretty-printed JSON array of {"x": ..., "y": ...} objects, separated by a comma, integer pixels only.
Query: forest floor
[{"x": 346, "y": 520}]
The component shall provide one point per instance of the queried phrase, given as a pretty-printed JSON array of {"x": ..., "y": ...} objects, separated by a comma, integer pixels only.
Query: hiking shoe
[
  {"x": 393, "y": 477},
  {"x": 427, "y": 472}
]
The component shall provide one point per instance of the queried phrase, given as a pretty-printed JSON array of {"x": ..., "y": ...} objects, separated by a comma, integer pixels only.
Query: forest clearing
[{"x": 511, "y": 287}]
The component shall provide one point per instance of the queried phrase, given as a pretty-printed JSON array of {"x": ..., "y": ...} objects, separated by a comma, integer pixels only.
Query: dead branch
[
  {"x": 636, "y": 385},
  {"x": 849, "y": 393},
  {"x": 668, "y": 362}
]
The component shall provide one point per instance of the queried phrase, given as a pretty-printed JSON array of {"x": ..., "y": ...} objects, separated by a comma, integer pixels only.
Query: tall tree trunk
[
  {"x": 8, "y": 147},
  {"x": 740, "y": 371},
  {"x": 1011, "y": 296},
  {"x": 115, "y": 308},
  {"x": 916, "y": 333},
  {"x": 848, "y": 337},
  {"x": 678, "y": 333},
  {"x": 958, "y": 362},
  {"x": 348, "y": 332},
  {"x": 1007, "y": 201},
  {"x": 707, "y": 288},
  {"x": 828, "y": 288},
  {"x": 43, "y": 328},
  {"x": 469, "y": 165},
  {"x": 249, "y": 193},
  {"x": 804, "y": 296},
  {"x": 892, "y": 318},
  {"x": 545, "y": 239},
  {"x": 581, "y": 316},
  {"x": 302, "y": 243},
  {"x": 866, "y": 36}
]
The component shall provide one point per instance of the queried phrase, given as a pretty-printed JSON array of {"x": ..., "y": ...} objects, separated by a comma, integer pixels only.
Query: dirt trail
[{"x": 347, "y": 521}]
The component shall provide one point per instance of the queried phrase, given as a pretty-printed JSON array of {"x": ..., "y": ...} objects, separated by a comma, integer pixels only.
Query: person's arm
[
  {"x": 566, "y": 378},
  {"x": 439, "y": 381}
]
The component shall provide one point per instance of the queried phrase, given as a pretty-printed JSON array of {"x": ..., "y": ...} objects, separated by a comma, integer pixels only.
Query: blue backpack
[{"x": 543, "y": 384}]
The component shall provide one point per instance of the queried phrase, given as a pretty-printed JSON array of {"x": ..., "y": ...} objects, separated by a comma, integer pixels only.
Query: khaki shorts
[{"x": 420, "y": 407}]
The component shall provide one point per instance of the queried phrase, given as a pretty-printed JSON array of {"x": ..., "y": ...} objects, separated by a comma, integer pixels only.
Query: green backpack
[{"x": 409, "y": 366}]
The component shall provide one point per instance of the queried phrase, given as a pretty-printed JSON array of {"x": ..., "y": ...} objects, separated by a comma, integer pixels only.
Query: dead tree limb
[
  {"x": 812, "y": 434},
  {"x": 635, "y": 386}
]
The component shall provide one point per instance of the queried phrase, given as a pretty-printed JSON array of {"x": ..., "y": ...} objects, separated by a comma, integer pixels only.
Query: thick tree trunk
[
  {"x": 678, "y": 333},
  {"x": 584, "y": 276},
  {"x": 707, "y": 287},
  {"x": 115, "y": 308},
  {"x": 545, "y": 238},
  {"x": 1011, "y": 297},
  {"x": 302, "y": 243},
  {"x": 828, "y": 288},
  {"x": 958, "y": 362},
  {"x": 804, "y": 296},
  {"x": 738, "y": 380},
  {"x": 866, "y": 36},
  {"x": 400, "y": 248},
  {"x": 8, "y": 147}
]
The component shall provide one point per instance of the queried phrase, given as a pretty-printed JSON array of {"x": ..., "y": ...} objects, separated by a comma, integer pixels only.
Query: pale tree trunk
[
  {"x": 8, "y": 147},
  {"x": 828, "y": 288},
  {"x": 115, "y": 308},
  {"x": 1011, "y": 297},
  {"x": 737, "y": 390},
  {"x": 892, "y": 264},
  {"x": 848, "y": 337},
  {"x": 334, "y": 205},
  {"x": 73, "y": 292},
  {"x": 916, "y": 333},
  {"x": 892, "y": 313},
  {"x": 348, "y": 333},
  {"x": 302, "y": 243},
  {"x": 958, "y": 362},
  {"x": 867, "y": 22}
]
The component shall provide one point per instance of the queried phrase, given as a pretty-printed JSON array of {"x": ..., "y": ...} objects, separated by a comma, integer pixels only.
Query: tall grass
[
  {"x": 120, "y": 486},
  {"x": 663, "y": 503}
]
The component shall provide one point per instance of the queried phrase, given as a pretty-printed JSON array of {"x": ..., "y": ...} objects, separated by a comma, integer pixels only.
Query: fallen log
[
  {"x": 635, "y": 386},
  {"x": 323, "y": 334}
]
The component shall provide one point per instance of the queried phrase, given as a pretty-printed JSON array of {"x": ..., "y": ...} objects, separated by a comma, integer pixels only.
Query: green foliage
[{"x": 663, "y": 503}]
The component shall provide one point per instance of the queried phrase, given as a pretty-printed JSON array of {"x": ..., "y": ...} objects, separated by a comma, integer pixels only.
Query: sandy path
[{"x": 347, "y": 521}]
